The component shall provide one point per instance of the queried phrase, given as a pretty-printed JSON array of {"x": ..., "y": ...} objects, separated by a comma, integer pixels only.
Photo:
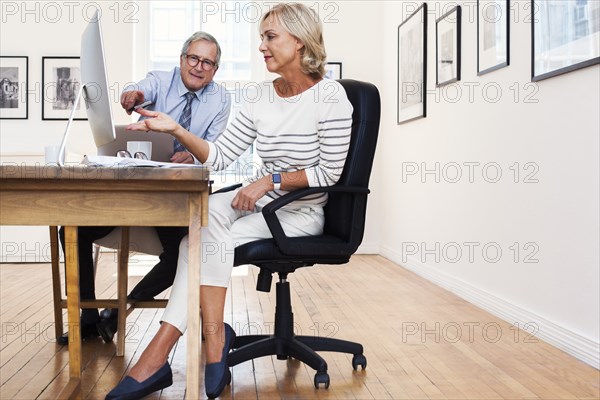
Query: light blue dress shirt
[{"x": 210, "y": 111}]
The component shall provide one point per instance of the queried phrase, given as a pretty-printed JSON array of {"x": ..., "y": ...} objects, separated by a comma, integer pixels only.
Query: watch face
[{"x": 276, "y": 178}]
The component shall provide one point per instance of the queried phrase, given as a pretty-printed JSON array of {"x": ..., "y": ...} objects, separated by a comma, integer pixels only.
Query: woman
[{"x": 301, "y": 126}]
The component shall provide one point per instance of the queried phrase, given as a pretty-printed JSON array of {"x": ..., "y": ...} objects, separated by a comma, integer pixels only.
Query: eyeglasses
[
  {"x": 126, "y": 154},
  {"x": 193, "y": 61}
]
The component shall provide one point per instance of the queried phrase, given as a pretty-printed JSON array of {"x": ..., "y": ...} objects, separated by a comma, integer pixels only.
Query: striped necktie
[{"x": 185, "y": 120}]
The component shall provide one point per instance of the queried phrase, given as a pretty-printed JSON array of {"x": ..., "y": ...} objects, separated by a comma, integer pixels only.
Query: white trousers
[{"x": 228, "y": 228}]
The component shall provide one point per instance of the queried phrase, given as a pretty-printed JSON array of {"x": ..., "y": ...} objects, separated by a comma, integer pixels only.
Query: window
[
  {"x": 233, "y": 25},
  {"x": 172, "y": 22}
]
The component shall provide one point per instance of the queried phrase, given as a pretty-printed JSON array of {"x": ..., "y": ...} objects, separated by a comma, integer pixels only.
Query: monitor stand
[{"x": 63, "y": 144}]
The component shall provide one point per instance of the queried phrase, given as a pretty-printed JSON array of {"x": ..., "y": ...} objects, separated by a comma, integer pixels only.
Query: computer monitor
[{"x": 94, "y": 88}]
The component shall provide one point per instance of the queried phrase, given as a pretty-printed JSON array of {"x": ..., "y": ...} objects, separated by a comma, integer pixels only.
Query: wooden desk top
[
  {"x": 88, "y": 196},
  {"x": 10, "y": 171}
]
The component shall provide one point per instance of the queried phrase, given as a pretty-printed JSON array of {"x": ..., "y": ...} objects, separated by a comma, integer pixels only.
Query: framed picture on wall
[
  {"x": 493, "y": 33},
  {"x": 565, "y": 37},
  {"x": 412, "y": 66},
  {"x": 14, "y": 76},
  {"x": 61, "y": 80},
  {"x": 447, "y": 32},
  {"x": 333, "y": 70}
]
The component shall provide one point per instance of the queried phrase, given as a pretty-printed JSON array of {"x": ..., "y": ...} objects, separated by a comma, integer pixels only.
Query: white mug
[
  {"x": 140, "y": 147},
  {"x": 51, "y": 154}
]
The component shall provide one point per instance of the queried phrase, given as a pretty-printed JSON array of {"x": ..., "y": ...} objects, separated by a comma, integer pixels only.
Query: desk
[{"x": 74, "y": 196}]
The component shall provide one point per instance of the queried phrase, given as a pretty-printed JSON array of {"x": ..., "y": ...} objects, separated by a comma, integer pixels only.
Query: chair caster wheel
[
  {"x": 321, "y": 378},
  {"x": 357, "y": 360}
]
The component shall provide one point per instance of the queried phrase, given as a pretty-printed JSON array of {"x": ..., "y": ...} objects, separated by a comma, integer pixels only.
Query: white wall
[
  {"x": 556, "y": 130},
  {"x": 48, "y": 28}
]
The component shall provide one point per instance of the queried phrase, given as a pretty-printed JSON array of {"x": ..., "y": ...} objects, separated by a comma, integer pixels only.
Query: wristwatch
[{"x": 276, "y": 179}]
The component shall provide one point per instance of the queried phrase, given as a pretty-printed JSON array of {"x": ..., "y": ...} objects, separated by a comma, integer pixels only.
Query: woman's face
[{"x": 280, "y": 48}]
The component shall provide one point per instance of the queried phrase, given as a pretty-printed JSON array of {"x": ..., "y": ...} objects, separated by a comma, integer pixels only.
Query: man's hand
[
  {"x": 182, "y": 157},
  {"x": 131, "y": 99}
]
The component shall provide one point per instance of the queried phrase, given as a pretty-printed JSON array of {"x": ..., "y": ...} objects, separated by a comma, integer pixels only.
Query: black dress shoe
[
  {"x": 109, "y": 313},
  {"x": 88, "y": 331},
  {"x": 107, "y": 329}
]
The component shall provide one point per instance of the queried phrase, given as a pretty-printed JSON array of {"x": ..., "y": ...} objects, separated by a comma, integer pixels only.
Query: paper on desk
[{"x": 108, "y": 161}]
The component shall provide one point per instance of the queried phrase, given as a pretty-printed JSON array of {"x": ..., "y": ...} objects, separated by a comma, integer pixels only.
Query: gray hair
[{"x": 200, "y": 35}]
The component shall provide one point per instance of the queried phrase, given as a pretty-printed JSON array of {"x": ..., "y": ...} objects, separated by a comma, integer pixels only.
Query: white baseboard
[
  {"x": 368, "y": 248},
  {"x": 558, "y": 336}
]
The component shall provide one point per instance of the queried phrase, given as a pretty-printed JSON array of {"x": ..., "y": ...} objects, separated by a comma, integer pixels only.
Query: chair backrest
[
  {"x": 339, "y": 221},
  {"x": 364, "y": 97}
]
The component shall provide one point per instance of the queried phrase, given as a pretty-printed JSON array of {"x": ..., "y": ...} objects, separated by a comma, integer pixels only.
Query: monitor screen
[{"x": 96, "y": 92}]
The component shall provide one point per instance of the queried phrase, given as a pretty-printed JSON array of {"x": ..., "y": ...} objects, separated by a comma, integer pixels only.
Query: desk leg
[
  {"x": 122, "y": 289},
  {"x": 73, "y": 306},
  {"x": 194, "y": 323},
  {"x": 57, "y": 296}
]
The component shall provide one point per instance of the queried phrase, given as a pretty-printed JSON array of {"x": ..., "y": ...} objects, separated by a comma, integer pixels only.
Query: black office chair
[{"x": 343, "y": 233}]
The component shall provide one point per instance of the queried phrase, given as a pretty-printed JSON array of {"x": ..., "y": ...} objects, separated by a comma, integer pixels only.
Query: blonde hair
[{"x": 303, "y": 23}]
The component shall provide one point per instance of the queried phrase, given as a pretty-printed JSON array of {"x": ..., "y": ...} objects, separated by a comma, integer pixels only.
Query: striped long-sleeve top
[{"x": 309, "y": 131}]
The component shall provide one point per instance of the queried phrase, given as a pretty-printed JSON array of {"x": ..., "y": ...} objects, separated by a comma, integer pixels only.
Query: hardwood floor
[{"x": 421, "y": 342}]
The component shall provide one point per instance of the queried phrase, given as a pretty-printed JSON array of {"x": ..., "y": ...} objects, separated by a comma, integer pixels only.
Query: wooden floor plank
[{"x": 421, "y": 341}]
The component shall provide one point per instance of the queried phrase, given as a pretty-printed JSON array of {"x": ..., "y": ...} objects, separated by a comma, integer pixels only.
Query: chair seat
[{"x": 323, "y": 249}]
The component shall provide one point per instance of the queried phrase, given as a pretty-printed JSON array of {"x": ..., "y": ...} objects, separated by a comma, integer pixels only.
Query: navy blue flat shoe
[
  {"x": 217, "y": 375},
  {"x": 130, "y": 389}
]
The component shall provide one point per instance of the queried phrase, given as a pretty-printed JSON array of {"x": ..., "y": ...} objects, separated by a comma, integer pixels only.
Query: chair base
[{"x": 284, "y": 344}]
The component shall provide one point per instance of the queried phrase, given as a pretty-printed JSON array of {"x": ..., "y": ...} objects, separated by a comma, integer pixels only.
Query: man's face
[{"x": 195, "y": 78}]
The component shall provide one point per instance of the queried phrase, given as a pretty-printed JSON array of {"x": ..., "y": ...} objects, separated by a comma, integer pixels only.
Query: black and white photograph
[
  {"x": 333, "y": 70},
  {"x": 61, "y": 82},
  {"x": 565, "y": 37},
  {"x": 493, "y": 33},
  {"x": 412, "y": 66},
  {"x": 448, "y": 52},
  {"x": 13, "y": 87}
]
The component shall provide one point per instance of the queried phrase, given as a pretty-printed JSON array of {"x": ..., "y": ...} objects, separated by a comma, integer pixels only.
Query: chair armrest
[
  {"x": 273, "y": 223},
  {"x": 228, "y": 188}
]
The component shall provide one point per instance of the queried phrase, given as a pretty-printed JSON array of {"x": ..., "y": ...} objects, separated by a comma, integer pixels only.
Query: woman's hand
[
  {"x": 156, "y": 121},
  {"x": 246, "y": 198},
  {"x": 161, "y": 122},
  {"x": 182, "y": 157}
]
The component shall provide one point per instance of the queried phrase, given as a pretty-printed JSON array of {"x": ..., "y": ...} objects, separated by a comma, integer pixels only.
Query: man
[{"x": 189, "y": 95}]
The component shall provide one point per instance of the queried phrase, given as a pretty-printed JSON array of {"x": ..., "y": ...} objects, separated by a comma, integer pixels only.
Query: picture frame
[
  {"x": 14, "y": 80},
  {"x": 564, "y": 37},
  {"x": 493, "y": 35},
  {"x": 61, "y": 80},
  {"x": 447, "y": 47},
  {"x": 412, "y": 66},
  {"x": 333, "y": 70}
]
